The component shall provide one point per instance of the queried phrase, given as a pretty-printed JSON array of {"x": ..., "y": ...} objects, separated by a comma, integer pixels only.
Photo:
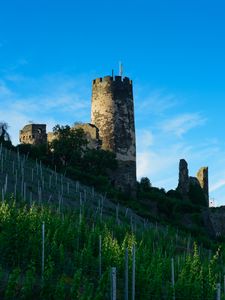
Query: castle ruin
[
  {"x": 203, "y": 178},
  {"x": 112, "y": 128},
  {"x": 185, "y": 181},
  {"x": 34, "y": 134}
]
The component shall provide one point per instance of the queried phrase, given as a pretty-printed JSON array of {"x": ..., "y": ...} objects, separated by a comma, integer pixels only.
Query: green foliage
[
  {"x": 12, "y": 287},
  {"x": 34, "y": 151},
  {"x": 68, "y": 153},
  {"x": 27, "y": 290},
  {"x": 72, "y": 257},
  {"x": 174, "y": 194},
  {"x": 68, "y": 146},
  {"x": 5, "y": 139},
  {"x": 97, "y": 162},
  {"x": 145, "y": 184},
  {"x": 196, "y": 195}
]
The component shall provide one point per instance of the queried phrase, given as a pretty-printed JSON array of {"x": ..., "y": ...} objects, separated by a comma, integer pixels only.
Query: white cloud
[
  {"x": 145, "y": 138},
  {"x": 215, "y": 186},
  {"x": 160, "y": 163},
  {"x": 181, "y": 124},
  {"x": 55, "y": 101},
  {"x": 157, "y": 102}
]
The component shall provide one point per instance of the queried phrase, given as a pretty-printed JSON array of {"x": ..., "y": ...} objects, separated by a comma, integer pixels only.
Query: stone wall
[
  {"x": 50, "y": 136},
  {"x": 91, "y": 133},
  {"x": 33, "y": 134},
  {"x": 185, "y": 181},
  {"x": 203, "y": 179}
]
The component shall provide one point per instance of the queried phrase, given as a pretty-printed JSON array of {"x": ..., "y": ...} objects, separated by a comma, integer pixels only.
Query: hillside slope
[
  {"x": 35, "y": 183},
  {"x": 47, "y": 254},
  {"x": 60, "y": 239}
]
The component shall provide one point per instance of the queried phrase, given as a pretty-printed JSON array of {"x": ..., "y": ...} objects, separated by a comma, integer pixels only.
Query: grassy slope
[
  {"x": 72, "y": 256},
  {"x": 75, "y": 217}
]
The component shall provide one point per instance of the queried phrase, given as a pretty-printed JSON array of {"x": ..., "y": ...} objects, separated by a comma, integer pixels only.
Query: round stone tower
[{"x": 113, "y": 113}]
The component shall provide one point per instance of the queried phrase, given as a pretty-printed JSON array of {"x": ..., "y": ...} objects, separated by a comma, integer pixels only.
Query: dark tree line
[{"x": 69, "y": 153}]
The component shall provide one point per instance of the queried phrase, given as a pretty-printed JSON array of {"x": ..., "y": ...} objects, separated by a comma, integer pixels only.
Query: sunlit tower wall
[{"x": 113, "y": 113}]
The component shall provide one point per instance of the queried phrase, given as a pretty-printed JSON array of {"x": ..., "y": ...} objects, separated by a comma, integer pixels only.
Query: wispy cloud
[
  {"x": 51, "y": 100},
  {"x": 4, "y": 90},
  {"x": 181, "y": 124},
  {"x": 145, "y": 138},
  {"x": 158, "y": 161},
  {"x": 156, "y": 102},
  {"x": 217, "y": 185}
]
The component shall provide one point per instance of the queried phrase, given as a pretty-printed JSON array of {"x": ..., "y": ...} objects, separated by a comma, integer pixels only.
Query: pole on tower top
[{"x": 120, "y": 69}]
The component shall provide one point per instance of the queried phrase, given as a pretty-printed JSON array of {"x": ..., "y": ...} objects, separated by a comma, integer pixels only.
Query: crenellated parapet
[{"x": 112, "y": 79}]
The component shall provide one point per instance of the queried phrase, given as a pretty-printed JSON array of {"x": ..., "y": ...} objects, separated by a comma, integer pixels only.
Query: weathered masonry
[
  {"x": 33, "y": 134},
  {"x": 112, "y": 128},
  {"x": 112, "y": 112},
  {"x": 200, "y": 180}
]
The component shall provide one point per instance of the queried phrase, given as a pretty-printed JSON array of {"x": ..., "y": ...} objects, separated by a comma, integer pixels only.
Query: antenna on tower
[{"x": 120, "y": 69}]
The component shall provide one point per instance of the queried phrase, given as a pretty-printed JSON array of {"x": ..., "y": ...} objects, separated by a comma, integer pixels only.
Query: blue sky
[{"x": 173, "y": 50}]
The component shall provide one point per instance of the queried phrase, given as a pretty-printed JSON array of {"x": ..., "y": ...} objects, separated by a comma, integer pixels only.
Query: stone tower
[{"x": 112, "y": 113}]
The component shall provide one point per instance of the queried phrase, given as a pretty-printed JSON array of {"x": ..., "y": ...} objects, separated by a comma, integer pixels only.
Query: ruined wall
[
  {"x": 50, "y": 137},
  {"x": 91, "y": 133},
  {"x": 183, "y": 182},
  {"x": 33, "y": 134},
  {"x": 203, "y": 179},
  {"x": 112, "y": 127},
  {"x": 113, "y": 113}
]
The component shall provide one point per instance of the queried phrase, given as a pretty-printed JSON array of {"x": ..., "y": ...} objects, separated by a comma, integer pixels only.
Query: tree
[
  {"x": 196, "y": 195},
  {"x": 68, "y": 146},
  {"x": 4, "y": 135},
  {"x": 98, "y": 162},
  {"x": 145, "y": 184}
]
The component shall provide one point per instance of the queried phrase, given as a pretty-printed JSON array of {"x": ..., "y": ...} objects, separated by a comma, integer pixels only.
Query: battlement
[{"x": 110, "y": 79}]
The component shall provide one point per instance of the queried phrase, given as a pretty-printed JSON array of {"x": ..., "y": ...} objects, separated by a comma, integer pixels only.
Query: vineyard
[{"x": 62, "y": 240}]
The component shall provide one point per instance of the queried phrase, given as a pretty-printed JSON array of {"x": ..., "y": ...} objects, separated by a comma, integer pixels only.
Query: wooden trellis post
[
  {"x": 126, "y": 275},
  {"x": 113, "y": 283},
  {"x": 133, "y": 271},
  {"x": 43, "y": 250},
  {"x": 173, "y": 277},
  {"x": 218, "y": 294}
]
